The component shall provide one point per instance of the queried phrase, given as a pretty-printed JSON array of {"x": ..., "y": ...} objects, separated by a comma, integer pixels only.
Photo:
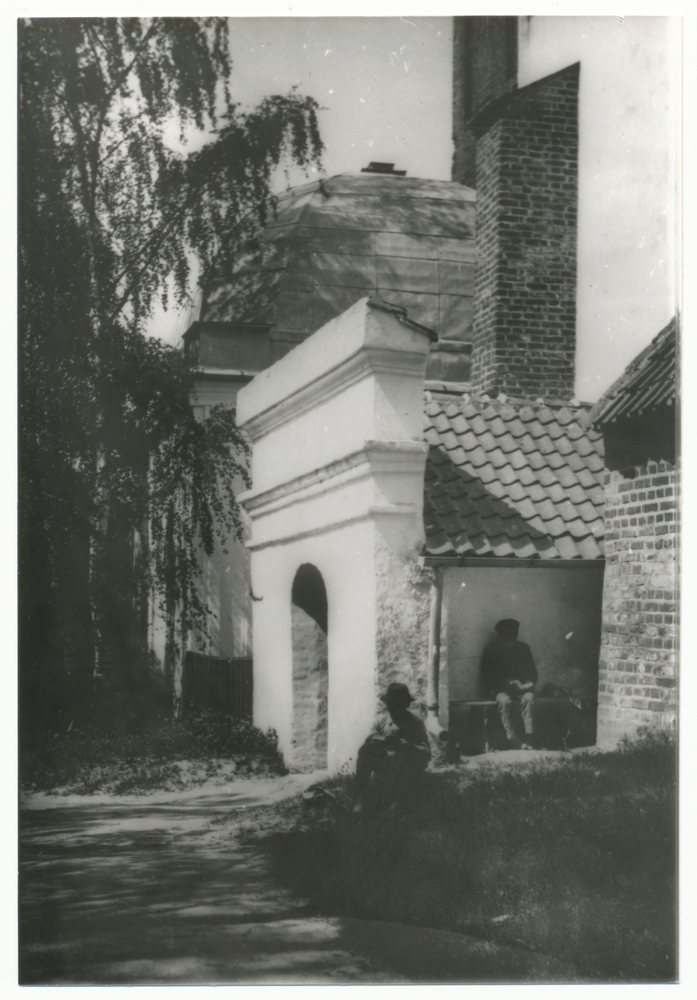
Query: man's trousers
[{"x": 527, "y": 706}]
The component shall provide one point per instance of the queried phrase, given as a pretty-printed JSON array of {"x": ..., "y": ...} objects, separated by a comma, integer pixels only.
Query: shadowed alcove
[{"x": 310, "y": 669}]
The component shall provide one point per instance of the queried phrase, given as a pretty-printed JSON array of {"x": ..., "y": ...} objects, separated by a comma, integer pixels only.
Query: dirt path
[
  {"x": 156, "y": 891},
  {"x": 153, "y": 890}
]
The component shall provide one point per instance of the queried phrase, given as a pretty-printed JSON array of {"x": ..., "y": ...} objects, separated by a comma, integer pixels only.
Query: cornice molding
[
  {"x": 375, "y": 458},
  {"x": 366, "y": 361},
  {"x": 372, "y": 513}
]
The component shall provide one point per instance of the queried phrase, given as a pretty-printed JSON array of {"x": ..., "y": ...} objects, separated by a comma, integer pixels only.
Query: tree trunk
[
  {"x": 139, "y": 627},
  {"x": 174, "y": 651},
  {"x": 97, "y": 573}
]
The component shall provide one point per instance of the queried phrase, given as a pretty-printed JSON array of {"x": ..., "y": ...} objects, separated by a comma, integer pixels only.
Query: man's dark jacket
[{"x": 502, "y": 663}]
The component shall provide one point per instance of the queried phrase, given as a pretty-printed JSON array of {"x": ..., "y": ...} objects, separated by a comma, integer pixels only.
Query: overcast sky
[
  {"x": 628, "y": 124},
  {"x": 384, "y": 84}
]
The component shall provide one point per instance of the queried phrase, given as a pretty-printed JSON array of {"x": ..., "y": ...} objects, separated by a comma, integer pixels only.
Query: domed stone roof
[{"x": 410, "y": 242}]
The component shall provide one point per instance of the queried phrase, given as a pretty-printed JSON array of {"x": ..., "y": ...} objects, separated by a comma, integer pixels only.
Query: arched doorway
[{"x": 310, "y": 669}]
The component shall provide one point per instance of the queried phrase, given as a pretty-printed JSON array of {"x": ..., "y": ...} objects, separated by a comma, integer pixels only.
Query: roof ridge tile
[{"x": 545, "y": 415}]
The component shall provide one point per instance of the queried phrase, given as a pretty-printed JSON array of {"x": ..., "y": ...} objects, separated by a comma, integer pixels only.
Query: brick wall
[
  {"x": 638, "y": 655},
  {"x": 485, "y": 66},
  {"x": 525, "y": 296}
]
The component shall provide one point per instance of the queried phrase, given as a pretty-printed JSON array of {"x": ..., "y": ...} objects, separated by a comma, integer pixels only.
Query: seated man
[
  {"x": 397, "y": 746},
  {"x": 509, "y": 674}
]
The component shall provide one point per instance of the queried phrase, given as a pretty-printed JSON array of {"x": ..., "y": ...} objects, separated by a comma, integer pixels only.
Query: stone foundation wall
[
  {"x": 310, "y": 690},
  {"x": 638, "y": 653}
]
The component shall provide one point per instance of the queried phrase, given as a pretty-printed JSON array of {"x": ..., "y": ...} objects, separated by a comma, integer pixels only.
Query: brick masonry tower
[{"x": 519, "y": 149}]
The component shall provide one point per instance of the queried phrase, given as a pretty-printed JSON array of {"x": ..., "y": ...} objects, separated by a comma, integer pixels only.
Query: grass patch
[
  {"x": 141, "y": 759},
  {"x": 574, "y": 857}
]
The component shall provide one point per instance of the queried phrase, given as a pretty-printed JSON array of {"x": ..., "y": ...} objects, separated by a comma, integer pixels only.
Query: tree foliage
[{"x": 120, "y": 484}]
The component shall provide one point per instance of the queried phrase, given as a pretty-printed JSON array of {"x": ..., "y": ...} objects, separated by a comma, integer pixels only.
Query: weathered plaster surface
[
  {"x": 559, "y": 610},
  {"x": 351, "y": 382},
  {"x": 338, "y": 465},
  {"x": 404, "y": 604}
]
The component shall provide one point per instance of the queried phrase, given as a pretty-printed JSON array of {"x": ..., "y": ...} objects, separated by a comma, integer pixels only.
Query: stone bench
[{"x": 476, "y": 724}]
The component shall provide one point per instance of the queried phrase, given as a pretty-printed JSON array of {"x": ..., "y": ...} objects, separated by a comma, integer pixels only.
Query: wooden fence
[{"x": 216, "y": 685}]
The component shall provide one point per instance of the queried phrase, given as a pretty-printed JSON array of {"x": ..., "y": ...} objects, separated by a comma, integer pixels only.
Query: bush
[{"x": 139, "y": 758}]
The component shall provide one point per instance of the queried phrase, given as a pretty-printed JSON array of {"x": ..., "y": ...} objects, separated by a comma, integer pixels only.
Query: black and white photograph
[{"x": 349, "y": 481}]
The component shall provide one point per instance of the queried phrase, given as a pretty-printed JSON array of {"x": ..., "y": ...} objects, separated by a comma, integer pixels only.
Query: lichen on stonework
[{"x": 421, "y": 576}]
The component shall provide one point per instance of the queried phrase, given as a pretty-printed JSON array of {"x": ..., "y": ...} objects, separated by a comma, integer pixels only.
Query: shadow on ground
[{"x": 159, "y": 893}]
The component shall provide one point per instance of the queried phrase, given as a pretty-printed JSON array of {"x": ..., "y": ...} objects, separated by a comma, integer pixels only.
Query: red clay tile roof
[
  {"x": 647, "y": 382},
  {"x": 513, "y": 480}
]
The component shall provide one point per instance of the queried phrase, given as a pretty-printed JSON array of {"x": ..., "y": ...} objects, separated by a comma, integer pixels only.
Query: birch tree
[{"x": 119, "y": 483}]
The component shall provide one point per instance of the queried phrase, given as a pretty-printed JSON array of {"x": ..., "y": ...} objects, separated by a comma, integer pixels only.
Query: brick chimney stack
[{"x": 519, "y": 149}]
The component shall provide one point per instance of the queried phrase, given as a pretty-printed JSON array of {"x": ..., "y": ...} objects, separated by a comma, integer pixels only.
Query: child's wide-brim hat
[{"x": 397, "y": 694}]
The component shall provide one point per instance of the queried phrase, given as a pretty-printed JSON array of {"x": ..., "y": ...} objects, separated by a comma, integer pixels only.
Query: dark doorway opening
[{"x": 309, "y": 617}]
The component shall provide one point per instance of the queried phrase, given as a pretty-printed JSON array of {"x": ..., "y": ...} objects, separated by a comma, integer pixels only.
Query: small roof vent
[{"x": 382, "y": 168}]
